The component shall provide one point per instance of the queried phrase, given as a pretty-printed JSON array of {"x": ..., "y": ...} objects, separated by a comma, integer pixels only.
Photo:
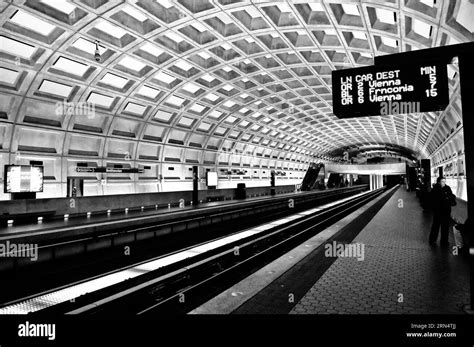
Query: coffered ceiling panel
[{"x": 211, "y": 74}]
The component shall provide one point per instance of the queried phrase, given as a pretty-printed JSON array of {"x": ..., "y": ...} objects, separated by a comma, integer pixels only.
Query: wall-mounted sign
[
  {"x": 211, "y": 179},
  {"x": 108, "y": 170},
  {"x": 85, "y": 169},
  {"x": 385, "y": 90}
]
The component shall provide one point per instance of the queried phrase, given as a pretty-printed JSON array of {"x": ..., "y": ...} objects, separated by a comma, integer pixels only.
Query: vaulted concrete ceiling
[{"x": 185, "y": 79}]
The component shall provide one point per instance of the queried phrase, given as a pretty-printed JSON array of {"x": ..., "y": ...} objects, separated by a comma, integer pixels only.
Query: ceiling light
[
  {"x": 152, "y": 49},
  {"x": 55, "y": 88},
  {"x": 429, "y": 3},
  {"x": 149, "y": 92},
  {"x": 100, "y": 99},
  {"x": 228, "y": 87},
  {"x": 229, "y": 104},
  {"x": 33, "y": 23},
  {"x": 111, "y": 29},
  {"x": 185, "y": 121},
  {"x": 60, "y": 5},
  {"x": 359, "y": 35},
  {"x": 208, "y": 78},
  {"x": 212, "y": 97},
  {"x": 163, "y": 115},
  {"x": 135, "y": 108},
  {"x": 174, "y": 100},
  {"x": 385, "y": 16},
  {"x": 204, "y": 55},
  {"x": 350, "y": 9},
  {"x": 8, "y": 76},
  {"x": 330, "y": 32},
  {"x": 16, "y": 48},
  {"x": 317, "y": 7},
  {"x": 199, "y": 27},
  {"x": 165, "y": 3},
  {"x": 215, "y": 114},
  {"x": 164, "y": 77},
  {"x": 114, "y": 80},
  {"x": 132, "y": 11},
  {"x": 174, "y": 37},
  {"x": 421, "y": 28},
  {"x": 132, "y": 63},
  {"x": 284, "y": 7},
  {"x": 197, "y": 108},
  {"x": 191, "y": 88},
  {"x": 204, "y": 126},
  {"x": 183, "y": 65},
  {"x": 70, "y": 66},
  {"x": 87, "y": 46},
  {"x": 389, "y": 41},
  {"x": 252, "y": 12},
  {"x": 224, "y": 18}
]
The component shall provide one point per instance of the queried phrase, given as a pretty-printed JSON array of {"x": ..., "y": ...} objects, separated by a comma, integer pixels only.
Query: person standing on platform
[{"x": 442, "y": 198}]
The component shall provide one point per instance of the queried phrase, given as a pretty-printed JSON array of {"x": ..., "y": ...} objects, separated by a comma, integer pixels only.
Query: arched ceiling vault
[{"x": 205, "y": 76}]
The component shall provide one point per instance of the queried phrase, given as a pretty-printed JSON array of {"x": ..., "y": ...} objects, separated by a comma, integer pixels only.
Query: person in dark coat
[{"x": 442, "y": 198}]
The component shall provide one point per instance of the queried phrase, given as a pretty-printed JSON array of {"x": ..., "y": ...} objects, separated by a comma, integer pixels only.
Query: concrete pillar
[
  {"x": 195, "y": 184},
  {"x": 376, "y": 181}
]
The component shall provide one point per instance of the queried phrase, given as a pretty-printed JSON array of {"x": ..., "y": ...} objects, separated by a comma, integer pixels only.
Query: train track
[
  {"x": 184, "y": 285},
  {"x": 167, "y": 237}
]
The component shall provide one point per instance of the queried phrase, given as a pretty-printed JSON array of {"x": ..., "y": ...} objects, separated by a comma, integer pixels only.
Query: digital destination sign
[{"x": 385, "y": 90}]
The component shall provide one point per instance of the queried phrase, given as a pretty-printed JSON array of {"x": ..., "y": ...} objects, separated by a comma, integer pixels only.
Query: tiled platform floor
[{"x": 400, "y": 274}]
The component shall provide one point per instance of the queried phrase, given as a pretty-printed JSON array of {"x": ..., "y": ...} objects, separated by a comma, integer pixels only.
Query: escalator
[
  {"x": 310, "y": 180},
  {"x": 335, "y": 180}
]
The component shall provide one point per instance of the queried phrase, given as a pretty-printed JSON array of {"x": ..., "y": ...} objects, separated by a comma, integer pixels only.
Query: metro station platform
[{"x": 399, "y": 272}]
